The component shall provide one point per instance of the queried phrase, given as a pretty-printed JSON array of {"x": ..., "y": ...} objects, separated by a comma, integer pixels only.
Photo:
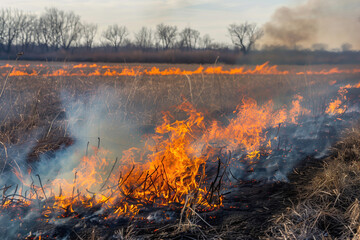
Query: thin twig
[
  {"x": 190, "y": 88},
  {"x": 202, "y": 219},
  {"x": 72, "y": 196},
  {"x": 112, "y": 169},
  {"x": 77, "y": 234},
  {"x": 87, "y": 148},
  {"x": 52, "y": 122},
  {"x": 42, "y": 188},
  {"x": 6, "y": 157}
]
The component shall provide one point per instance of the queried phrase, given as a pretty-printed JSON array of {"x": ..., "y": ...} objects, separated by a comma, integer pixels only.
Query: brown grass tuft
[{"x": 328, "y": 206}]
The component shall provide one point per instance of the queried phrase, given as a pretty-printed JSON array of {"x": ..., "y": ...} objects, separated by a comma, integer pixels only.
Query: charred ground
[{"x": 33, "y": 116}]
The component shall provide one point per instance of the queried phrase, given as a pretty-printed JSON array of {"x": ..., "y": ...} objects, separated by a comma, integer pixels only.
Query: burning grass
[
  {"x": 184, "y": 174},
  {"x": 174, "y": 170},
  {"x": 88, "y": 70}
]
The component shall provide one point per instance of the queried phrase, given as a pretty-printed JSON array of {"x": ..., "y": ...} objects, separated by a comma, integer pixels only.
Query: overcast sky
[{"x": 208, "y": 16}]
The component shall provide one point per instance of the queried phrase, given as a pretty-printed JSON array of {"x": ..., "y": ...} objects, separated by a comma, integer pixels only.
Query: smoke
[
  {"x": 311, "y": 137},
  {"x": 93, "y": 121},
  {"x": 329, "y": 22},
  {"x": 97, "y": 120}
]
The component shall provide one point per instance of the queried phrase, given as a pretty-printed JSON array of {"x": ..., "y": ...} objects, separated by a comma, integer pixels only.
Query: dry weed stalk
[{"x": 328, "y": 207}]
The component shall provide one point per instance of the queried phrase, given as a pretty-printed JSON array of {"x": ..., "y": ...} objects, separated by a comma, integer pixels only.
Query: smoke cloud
[{"x": 329, "y": 22}]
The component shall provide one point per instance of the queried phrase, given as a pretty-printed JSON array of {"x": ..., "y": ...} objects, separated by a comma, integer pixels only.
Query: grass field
[
  {"x": 142, "y": 98},
  {"x": 38, "y": 112}
]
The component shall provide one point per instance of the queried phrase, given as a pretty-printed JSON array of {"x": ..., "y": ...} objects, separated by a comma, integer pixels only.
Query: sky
[
  {"x": 208, "y": 16},
  {"x": 286, "y": 22}
]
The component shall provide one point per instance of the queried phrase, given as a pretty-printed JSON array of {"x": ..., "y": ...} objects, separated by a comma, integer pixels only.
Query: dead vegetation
[{"x": 328, "y": 205}]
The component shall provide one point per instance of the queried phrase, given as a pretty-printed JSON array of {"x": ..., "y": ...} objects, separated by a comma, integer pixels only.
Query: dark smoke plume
[{"x": 329, "y": 22}]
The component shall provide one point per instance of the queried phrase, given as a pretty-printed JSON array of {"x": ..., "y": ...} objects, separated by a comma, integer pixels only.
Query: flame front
[
  {"x": 118, "y": 70},
  {"x": 170, "y": 169},
  {"x": 339, "y": 106}
]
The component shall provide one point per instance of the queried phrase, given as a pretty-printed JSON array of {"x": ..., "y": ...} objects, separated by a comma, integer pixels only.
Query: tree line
[{"x": 56, "y": 29}]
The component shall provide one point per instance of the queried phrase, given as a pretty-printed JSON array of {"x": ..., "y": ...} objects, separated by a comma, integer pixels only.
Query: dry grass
[
  {"x": 31, "y": 110},
  {"x": 328, "y": 206}
]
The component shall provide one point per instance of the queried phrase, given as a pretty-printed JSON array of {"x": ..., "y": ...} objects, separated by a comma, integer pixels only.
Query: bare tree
[
  {"x": 58, "y": 28},
  {"x": 71, "y": 30},
  {"x": 206, "y": 42},
  {"x": 89, "y": 33},
  {"x": 143, "y": 38},
  {"x": 245, "y": 35},
  {"x": 166, "y": 35},
  {"x": 27, "y": 35},
  {"x": 115, "y": 35},
  {"x": 10, "y": 23},
  {"x": 3, "y": 25},
  {"x": 49, "y": 29},
  {"x": 44, "y": 38},
  {"x": 189, "y": 38}
]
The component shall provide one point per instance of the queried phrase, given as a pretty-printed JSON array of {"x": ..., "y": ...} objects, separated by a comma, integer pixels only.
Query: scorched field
[{"x": 129, "y": 151}]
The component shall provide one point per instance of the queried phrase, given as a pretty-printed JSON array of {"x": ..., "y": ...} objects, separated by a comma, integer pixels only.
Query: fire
[
  {"x": 261, "y": 69},
  {"x": 118, "y": 70},
  {"x": 170, "y": 169},
  {"x": 95, "y": 73},
  {"x": 331, "y": 71},
  {"x": 59, "y": 72},
  {"x": 297, "y": 109},
  {"x": 6, "y": 66},
  {"x": 339, "y": 106},
  {"x": 172, "y": 166},
  {"x": 154, "y": 71},
  {"x": 15, "y": 72},
  {"x": 332, "y": 82},
  {"x": 336, "y": 107},
  {"x": 246, "y": 129},
  {"x": 80, "y": 66}
]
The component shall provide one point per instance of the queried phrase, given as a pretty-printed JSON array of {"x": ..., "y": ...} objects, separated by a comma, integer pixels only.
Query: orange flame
[
  {"x": 6, "y": 66},
  {"x": 169, "y": 168},
  {"x": 118, "y": 70},
  {"x": 246, "y": 129},
  {"x": 297, "y": 109},
  {"x": 338, "y": 105},
  {"x": 80, "y": 66},
  {"x": 263, "y": 69},
  {"x": 331, "y": 71}
]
